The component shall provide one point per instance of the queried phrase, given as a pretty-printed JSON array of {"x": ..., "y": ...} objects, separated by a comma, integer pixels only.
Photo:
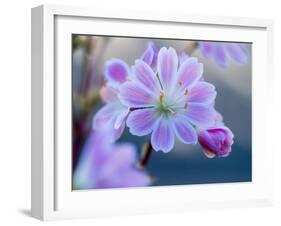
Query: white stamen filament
[{"x": 173, "y": 112}]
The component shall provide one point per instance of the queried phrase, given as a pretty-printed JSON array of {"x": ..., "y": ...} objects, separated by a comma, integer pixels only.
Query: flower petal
[
  {"x": 133, "y": 94},
  {"x": 182, "y": 57},
  {"x": 134, "y": 178},
  {"x": 145, "y": 75},
  {"x": 103, "y": 116},
  {"x": 237, "y": 53},
  {"x": 116, "y": 71},
  {"x": 202, "y": 92},
  {"x": 155, "y": 54},
  {"x": 108, "y": 94},
  {"x": 147, "y": 56},
  {"x": 167, "y": 66},
  {"x": 126, "y": 178},
  {"x": 216, "y": 140},
  {"x": 190, "y": 72},
  {"x": 121, "y": 118},
  {"x": 141, "y": 121},
  {"x": 119, "y": 169},
  {"x": 123, "y": 157},
  {"x": 220, "y": 55},
  {"x": 200, "y": 115},
  {"x": 218, "y": 120},
  {"x": 111, "y": 116},
  {"x": 208, "y": 153},
  {"x": 150, "y": 55},
  {"x": 184, "y": 130},
  {"x": 118, "y": 132},
  {"x": 162, "y": 138},
  {"x": 206, "y": 49}
]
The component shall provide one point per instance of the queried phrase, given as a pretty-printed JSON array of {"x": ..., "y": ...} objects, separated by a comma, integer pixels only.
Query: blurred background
[{"x": 185, "y": 164}]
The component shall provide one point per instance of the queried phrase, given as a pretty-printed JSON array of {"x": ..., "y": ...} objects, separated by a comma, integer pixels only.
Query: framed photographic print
[{"x": 136, "y": 112}]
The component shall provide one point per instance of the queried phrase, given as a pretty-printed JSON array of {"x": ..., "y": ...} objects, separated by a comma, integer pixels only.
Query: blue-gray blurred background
[{"x": 185, "y": 164}]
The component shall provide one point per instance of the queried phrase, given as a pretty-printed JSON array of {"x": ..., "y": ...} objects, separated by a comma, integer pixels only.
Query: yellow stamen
[
  {"x": 180, "y": 83},
  {"x": 161, "y": 97}
]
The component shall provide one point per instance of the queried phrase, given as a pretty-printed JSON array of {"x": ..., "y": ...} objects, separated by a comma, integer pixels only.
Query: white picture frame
[{"x": 52, "y": 197}]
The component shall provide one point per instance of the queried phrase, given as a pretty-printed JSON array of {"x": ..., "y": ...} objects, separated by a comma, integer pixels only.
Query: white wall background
[{"x": 15, "y": 112}]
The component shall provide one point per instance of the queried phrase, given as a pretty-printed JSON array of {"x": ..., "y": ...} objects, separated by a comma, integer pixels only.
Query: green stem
[{"x": 146, "y": 154}]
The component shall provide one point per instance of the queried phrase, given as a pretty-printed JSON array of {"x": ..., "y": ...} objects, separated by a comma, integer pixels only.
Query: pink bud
[{"x": 216, "y": 141}]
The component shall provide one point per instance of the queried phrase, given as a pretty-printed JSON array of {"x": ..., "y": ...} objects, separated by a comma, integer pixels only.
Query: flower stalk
[{"x": 145, "y": 156}]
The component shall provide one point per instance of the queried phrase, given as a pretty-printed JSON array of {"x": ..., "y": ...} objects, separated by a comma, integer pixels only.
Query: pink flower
[
  {"x": 113, "y": 114},
  {"x": 221, "y": 51},
  {"x": 117, "y": 72},
  {"x": 216, "y": 141},
  {"x": 171, "y": 101},
  {"x": 104, "y": 164}
]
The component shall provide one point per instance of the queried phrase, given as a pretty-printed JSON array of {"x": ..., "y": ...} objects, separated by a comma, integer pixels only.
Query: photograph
[{"x": 160, "y": 112}]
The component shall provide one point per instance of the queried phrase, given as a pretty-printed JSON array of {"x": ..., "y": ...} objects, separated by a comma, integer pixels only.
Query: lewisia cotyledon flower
[
  {"x": 104, "y": 164},
  {"x": 216, "y": 141},
  {"x": 221, "y": 51},
  {"x": 171, "y": 101},
  {"x": 114, "y": 113}
]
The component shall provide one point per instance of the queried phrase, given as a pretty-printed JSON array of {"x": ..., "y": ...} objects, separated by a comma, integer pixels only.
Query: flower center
[
  {"x": 173, "y": 103},
  {"x": 164, "y": 104}
]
